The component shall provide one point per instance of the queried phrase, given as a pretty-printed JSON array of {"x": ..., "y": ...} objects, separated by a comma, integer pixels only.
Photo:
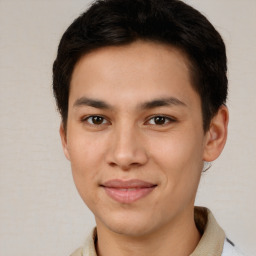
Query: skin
[{"x": 128, "y": 87}]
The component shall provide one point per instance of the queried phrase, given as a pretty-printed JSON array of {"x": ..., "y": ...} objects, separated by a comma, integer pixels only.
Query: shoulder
[
  {"x": 89, "y": 246},
  {"x": 229, "y": 249}
]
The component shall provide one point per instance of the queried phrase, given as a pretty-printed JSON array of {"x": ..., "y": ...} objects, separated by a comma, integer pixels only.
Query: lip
[{"x": 127, "y": 191}]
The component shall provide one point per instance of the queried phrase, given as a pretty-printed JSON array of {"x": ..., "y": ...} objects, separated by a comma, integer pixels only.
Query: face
[{"x": 135, "y": 137}]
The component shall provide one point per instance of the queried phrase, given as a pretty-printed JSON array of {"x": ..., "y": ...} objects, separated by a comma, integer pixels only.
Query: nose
[{"x": 127, "y": 149}]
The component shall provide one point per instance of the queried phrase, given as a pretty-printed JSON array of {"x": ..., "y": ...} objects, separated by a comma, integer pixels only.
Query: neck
[{"x": 178, "y": 238}]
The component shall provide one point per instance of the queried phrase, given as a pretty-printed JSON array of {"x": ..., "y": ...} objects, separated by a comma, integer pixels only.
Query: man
[{"x": 141, "y": 87}]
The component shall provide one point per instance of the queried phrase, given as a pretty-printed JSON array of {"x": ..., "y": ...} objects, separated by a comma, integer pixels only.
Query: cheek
[
  {"x": 177, "y": 151},
  {"x": 85, "y": 150},
  {"x": 180, "y": 160},
  {"x": 86, "y": 154}
]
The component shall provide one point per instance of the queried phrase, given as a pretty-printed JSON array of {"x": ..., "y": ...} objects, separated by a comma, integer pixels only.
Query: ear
[
  {"x": 63, "y": 137},
  {"x": 216, "y": 136}
]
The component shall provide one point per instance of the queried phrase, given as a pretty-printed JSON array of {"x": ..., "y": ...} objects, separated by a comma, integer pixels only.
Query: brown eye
[
  {"x": 96, "y": 120},
  {"x": 160, "y": 120}
]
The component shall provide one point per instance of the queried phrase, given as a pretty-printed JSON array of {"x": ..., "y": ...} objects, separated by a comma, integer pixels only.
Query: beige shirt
[{"x": 211, "y": 243}]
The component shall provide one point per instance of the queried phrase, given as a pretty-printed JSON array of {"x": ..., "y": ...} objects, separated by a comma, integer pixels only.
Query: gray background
[{"x": 41, "y": 212}]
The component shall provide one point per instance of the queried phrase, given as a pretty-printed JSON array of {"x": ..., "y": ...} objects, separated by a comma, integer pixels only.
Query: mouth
[{"x": 127, "y": 191}]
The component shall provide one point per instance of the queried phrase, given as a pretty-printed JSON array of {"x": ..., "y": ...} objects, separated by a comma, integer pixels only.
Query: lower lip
[{"x": 127, "y": 196}]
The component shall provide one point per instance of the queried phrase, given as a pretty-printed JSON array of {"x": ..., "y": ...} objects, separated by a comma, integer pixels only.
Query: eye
[
  {"x": 160, "y": 120},
  {"x": 96, "y": 120}
]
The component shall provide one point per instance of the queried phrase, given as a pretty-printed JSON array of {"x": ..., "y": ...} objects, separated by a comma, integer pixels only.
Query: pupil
[
  {"x": 159, "y": 120},
  {"x": 97, "y": 120}
]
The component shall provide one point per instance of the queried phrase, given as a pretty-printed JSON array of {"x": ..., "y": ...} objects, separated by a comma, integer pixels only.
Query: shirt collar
[
  {"x": 213, "y": 236},
  {"x": 210, "y": 244}
]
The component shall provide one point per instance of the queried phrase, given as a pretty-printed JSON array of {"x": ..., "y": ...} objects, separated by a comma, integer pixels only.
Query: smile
[{"x": 127, "y": 191}]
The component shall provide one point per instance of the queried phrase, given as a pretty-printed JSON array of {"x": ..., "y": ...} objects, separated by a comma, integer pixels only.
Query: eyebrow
[
  {"x": 91, "y": 103},
  {"x": 161, "y": 102}
]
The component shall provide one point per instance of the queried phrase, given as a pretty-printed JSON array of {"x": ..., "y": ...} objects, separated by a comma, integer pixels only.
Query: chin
[
  {"x": 132, "y": 225},
  {"x": 130, "y": 230}
]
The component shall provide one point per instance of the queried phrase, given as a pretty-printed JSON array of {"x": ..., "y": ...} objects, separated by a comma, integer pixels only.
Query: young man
[{"x": 141, "y": 87}]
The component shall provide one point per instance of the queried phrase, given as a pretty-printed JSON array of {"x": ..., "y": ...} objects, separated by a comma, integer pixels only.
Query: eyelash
[
  {"x": 85, "y": 119},
  {"x": 167, "y": 120}
]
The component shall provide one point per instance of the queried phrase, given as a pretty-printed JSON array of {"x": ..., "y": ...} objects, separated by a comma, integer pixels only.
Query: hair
[{"x": 171, "y": 22}]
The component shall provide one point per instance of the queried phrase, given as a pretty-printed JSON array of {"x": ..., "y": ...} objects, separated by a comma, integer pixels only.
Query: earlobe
[
  {"x": 216, "y": 136},
  {"x": 63, "y": 137}
]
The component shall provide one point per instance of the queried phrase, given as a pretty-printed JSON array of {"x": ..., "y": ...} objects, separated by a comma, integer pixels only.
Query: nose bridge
[
  {"x": 127, "y": 148},
  {"x": 125, "y": 139}
]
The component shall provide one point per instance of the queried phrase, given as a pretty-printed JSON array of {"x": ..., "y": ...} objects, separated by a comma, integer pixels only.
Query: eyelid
[
  {"x": 170, "y": 118},
  {"x": 85, "y": 119}
]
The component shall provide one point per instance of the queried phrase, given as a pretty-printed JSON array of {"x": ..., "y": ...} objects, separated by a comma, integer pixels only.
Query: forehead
[
  {"x": 141, "y": 52},
  {"x": 138, "y": 70}
]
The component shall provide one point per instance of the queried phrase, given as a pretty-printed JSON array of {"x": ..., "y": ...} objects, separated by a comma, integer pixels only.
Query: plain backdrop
[{"x": 41, "y": 212}]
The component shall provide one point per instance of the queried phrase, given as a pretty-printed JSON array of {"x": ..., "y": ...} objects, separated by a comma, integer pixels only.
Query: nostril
[
  {"x": 125, "y": 152},
  {"x": 125, "y": 167},
  {"x": 112, "y": 164}
]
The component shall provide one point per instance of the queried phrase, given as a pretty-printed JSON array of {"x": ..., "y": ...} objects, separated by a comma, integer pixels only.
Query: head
[
  {"x": 141, "y": 87},
  {"x": 168, "y": 22}
]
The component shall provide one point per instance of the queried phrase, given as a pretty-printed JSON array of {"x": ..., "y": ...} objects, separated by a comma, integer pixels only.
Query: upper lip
[{"x": 133, "y": 183}]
